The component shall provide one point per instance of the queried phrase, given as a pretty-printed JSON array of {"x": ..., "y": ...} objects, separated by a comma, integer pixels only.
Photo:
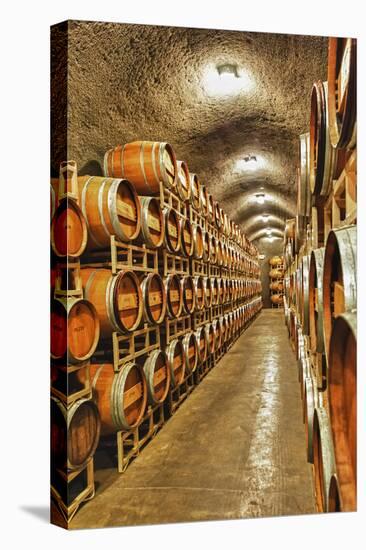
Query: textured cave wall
[
  {"x": 269, "y": 249},
  {"x": 128, "y": 82}
]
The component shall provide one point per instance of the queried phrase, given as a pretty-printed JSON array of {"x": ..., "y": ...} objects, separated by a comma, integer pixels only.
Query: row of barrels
[
  {"x": 276, "y": 274},
  {"x": 120, "y": 399},
  {"x": 147, "y": 163},
  {"x": 126, "y": 301},
  {"x": 323, "y": 289}
]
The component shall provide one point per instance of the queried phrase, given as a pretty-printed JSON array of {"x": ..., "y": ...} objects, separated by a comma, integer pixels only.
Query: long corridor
[{"x": 234, "y": 449}]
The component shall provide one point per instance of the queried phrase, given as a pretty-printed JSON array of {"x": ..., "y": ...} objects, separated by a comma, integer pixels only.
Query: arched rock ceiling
[{"x": 128, "y": 82}]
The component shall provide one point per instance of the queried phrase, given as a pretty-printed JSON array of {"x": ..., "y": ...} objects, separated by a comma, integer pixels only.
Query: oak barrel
[
  {"x": 309, "y": 405},
  {"x": 189, "y": 295},
  {"x": 116, "y": 298},
  {"x": 210, "y": 207},
  {"x": 207, "y": 282},
  {"x": 199, "y": 291},
  {"x": 198, "y": 241},
  {"x": 190, "y": 351},
  {"x": 202, "y": 343},
  {"x": 206, "y": 254},
  {"x": 210, "y": 335},
  {"x": 342, "y": 91},
  {"x": 217, "y": 331},
  {"x": 74, "y": 330},
  {"x": 217, "y": 215},
  {"x": 203, "y": 200},
  {"x": 316, "y": 300},
  {"x": 75, "y": 433},
  {"x": 121, "y": 397},
  {"x": 110, "y": 207},
  {"x": 213, "y": 249},
  {"x": 69, "y": 234},
  {"x": 172, "y": 230},
  {"x": 187, "y": 239},
  {"x": 157, "y": 373},
  {"x": 176, "y": 357},
  {"x": 277, "y": 299},
  {"x": 343, "y": 406},
  {"x": 323, "y": 453},
  {"x": 152, "y": 223},
  {"x": 174, "y": 296},
  {"x": 183, "y": 181},
  {"x": 195, "y": 191},
  {"x": 303, "y": 178},
  {"x": 339, "y": 277},
  {"x": 144, "y": 163},
  {"x": 304, "y": 294},
  {"x": 214, "y": 291},
  {"x": 276, "y": 261},
  {"x": 154, "y": 299}
]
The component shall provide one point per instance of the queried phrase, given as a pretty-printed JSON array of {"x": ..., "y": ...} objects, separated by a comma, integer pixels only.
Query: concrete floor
[{"x": 234, "y": 449}]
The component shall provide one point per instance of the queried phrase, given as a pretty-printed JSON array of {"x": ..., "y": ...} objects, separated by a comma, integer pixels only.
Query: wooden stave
[
  {"x": 217, "y": 217},
  {"x": 344, "y": 430},
  {"x": 217, "y": 331},
  {"x": 145, "y": 233},
  {"x": 203, "y": 201},
  {"x": 187, "y": 340},
  {"x": 210, "y": 335},
  {"x": 186, "y": 225},
  {"x": 149, "y": 372},
  {"x": 316, "y": 326},
  {"x": 200, "y": 334},
  {"x": 167, "y": 283},
  {"x": 198, "y": 244},
  {"x": 107, "y": 311},
  {"x": 304, "y": 299},
  {"x": 168, "y": 213},
  {"x": 102, "y": 220},
  {"x": 68, "y": 413},
  {"x": 109, "y": 393},
  {"x": 303, "y": 189},
  {"x": 67, "y": 307},
  {"x": 309, "y": 406},
  {"x": 198, "y": 283},
  {"x": 206, "y": 256},
  {"x": 208, "y": 292},
  {"x": 324, "y": 461},
  {"x": 145, "y": 184},
  {"x": 145, "y": 285},
  {"x": 183, "y": 195},
  {"x": 195, "y": 191},
  {"x": 344, "y": 241},
  {"x": 69, "y": 203},
  {"x": 170, "y": 350},
  {"x": 184, "y": 282},
  {"x": 343, "y": 134}
]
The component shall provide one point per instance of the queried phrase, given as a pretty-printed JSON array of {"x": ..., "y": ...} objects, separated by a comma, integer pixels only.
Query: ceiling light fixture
[
  {"x": 265, "y": 217},
  {"x": 260, "y": 198},
  {"x": 226, "y": 79},
  {"x": 228, "y": 69}
]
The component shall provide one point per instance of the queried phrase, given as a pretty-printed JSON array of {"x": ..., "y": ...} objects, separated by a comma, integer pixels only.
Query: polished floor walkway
[{"x": 234, "y": 449}]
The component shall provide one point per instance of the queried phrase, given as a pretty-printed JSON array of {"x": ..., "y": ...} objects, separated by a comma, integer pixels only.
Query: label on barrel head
[
  {"x": 154, "y": 223},
  {"x": 155, "y": 298},
  {"x": 172, "y": 229},
  {"x": 188, "y": 294},
  {"x": 132, "y": 395},
  {"x": 174, "y": 295},
  {"x": 187, "y": 236},
  {"x": 159, "y": 376},
  {"x": 127, "y": 301},
  {"x": 125, "y": 210}
]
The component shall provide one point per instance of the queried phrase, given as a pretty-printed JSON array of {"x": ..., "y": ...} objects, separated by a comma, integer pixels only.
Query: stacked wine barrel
[
  {"x": 321, "y": 281},
  {"x": 276, "y": 285},
  {"x": 170, "y": 282}
]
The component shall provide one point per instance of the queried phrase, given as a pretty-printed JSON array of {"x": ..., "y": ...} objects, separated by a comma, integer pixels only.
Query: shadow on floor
[{"x": 40, "y": 512}]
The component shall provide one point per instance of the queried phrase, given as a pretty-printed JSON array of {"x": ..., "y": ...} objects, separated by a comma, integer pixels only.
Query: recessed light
[
  {"x": 226, "y": 79},
  {"x": 260, "y": 198}
]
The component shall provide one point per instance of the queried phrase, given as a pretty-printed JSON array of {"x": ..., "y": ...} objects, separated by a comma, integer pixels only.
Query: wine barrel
[
  {"x": 339, "y": 277},
  {"x": 217, "y": 215},
  {"x": 309, "y": 406},
  {"x": 183, "y": 181},
  {"x": 217, "y": 332},
  {"x": 223, "y": 328},
  {"x": 195, "y": 192},
  {"x": 334, "y": 498},
  {"x": 199, "y": 291},
  {"x": 276, "y": 261},
  {"x": 174, "y": 296},
  {"x": 207, "y": 291},
  {"x": 75, "y": 432},
  {"x": 74, "y": 330},
  {"x": 213, "y": 249},
  {"x": 157, "y": 374},
  {"x": 304, "y": 294},
  {"x": 210, "y": 336},
  {"x": 176, "y": 357},
  {"x": 198, "y": 242},
  {"x": 276, "y": 273},
  {"x": 300, "y": 232},
  {"x": 276, "y": 285},
  {"x": 188, "y": 292},
  {"x": 303, "y": 179},
  {"x": 116, "y": 298},
  {"x": 323, "y": 453},
  {"x": 69, "y": 234},
  {"x": 342, "y": 92},
  {"x": 220, "y": 290},
  {"x": 203, "y": 200},
  {"x": 144, "y": 163},
  {"x": 172, "y": 230},
  {"x": 190, "y": 348},
  {"x": 110, "y": 207},
  {"x": 206, "y": 254},
  {"x": 277, "y": 299},
  {"x": 219, "y": 253},
  {"x": 154, "y": 299},
  {"x": 316, "y": 301},
  {"x": 343, "y": 406},
  {"x": 215, "y": 291},
  {"x": 210, "y": 207},
  {"x": 202, "y": 343},
  {"x": 322, "y": 155},
  {"x": 121, "y": 397},
  {"x": 187, "y": 239},
  {"x": 152, "y": 223}
]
